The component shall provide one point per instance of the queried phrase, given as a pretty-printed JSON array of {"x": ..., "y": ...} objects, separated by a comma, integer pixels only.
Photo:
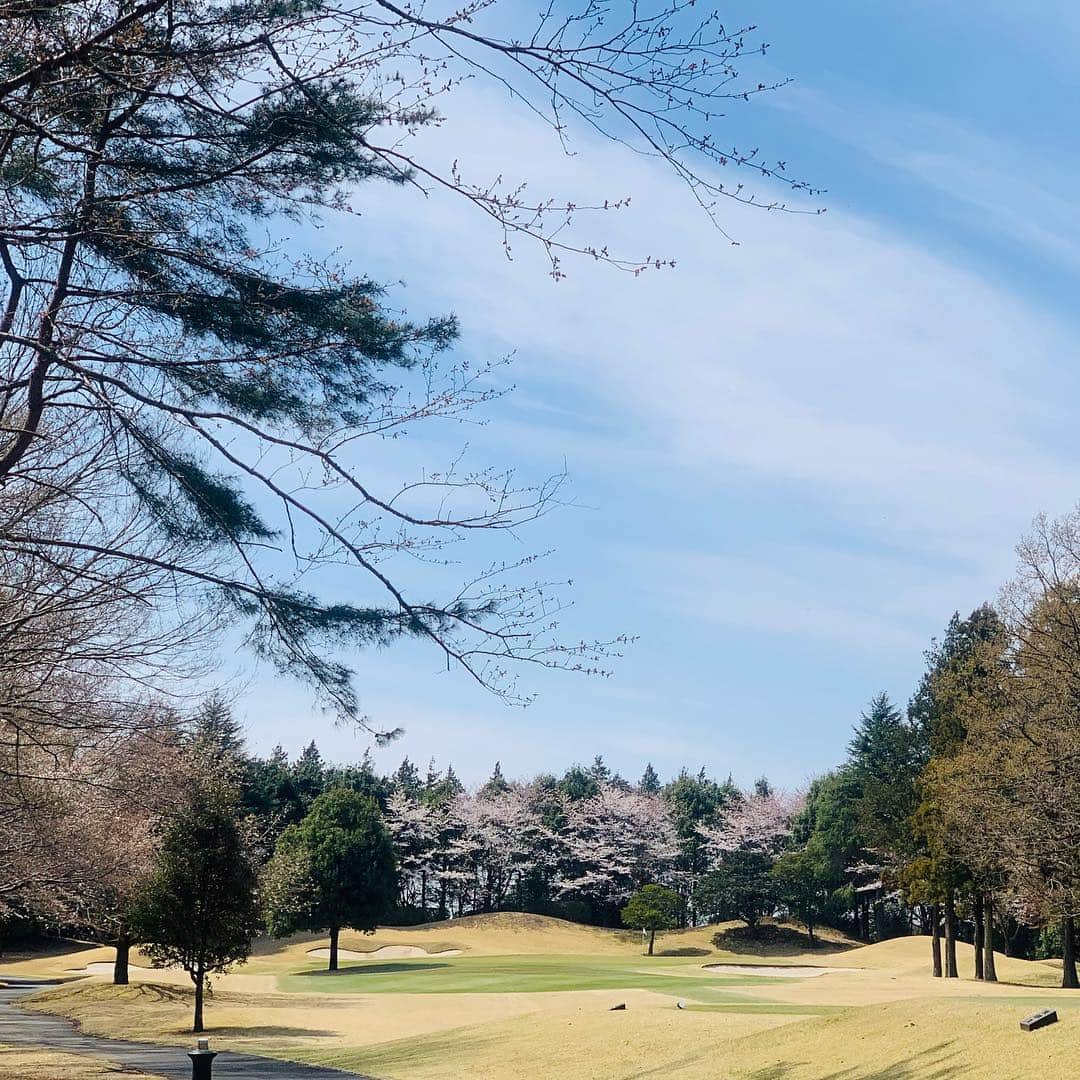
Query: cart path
[{"x": 21, "y": 1028}]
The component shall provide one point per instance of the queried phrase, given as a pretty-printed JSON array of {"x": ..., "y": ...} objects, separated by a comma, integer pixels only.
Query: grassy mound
[{"x": 920, "y": 1038}]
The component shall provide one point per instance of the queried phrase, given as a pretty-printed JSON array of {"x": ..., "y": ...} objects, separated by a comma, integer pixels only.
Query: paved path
[{"x": 19, "y": 1027}]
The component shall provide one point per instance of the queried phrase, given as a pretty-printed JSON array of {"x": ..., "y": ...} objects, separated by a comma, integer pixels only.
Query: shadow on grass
[
  {"x": 771, "y": 940},
  {"x": 368, "y": 969},
  {"x": 270, "y": 1031},
  {"x": 935, "y": 1063},
  {"x": 689, "y": 950}
]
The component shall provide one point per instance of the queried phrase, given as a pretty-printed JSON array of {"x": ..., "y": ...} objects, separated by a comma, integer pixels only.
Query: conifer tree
[
  {"x": 197, "y": 910},
  {"x": 496, "y": 784},
  {"x": 649, "y": 784}
]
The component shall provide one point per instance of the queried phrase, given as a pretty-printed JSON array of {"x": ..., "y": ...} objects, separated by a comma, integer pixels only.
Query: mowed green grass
[{"x": 522, "y": 974}]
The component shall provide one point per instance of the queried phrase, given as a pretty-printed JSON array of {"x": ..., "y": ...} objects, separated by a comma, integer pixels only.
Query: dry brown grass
[
  {"x": 892, "y": 1022},
  {"x": 20, "y": 1063}
]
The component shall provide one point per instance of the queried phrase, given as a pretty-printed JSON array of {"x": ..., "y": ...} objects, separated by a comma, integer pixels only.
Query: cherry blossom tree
[
  {"x": 760, "y": 820},
  {"x": 616, "y": 842}
]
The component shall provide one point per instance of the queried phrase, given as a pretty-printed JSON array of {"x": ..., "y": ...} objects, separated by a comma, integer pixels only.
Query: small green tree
[
  {"x": 198, "y": 908},
  {"x": 803, "y": 881},
  {"x": 739, "y": 888},
  {"x": 652, "y": 908},
  {"x": 336, "y": 868}
]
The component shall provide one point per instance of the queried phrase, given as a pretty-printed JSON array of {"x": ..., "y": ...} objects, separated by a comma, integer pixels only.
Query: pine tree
[
  {"x": 309, "y": 775},
  {"x": 406, "y": 779},
  {"x": 198, "y": 910},
  {"x": 649, "y": 784},
  {"x": 216, "y": 731},
  {"x": 496, "y": 783}
]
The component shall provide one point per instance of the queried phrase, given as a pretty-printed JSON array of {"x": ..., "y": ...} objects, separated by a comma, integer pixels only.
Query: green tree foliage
[
  {"x": 885, "y": 757},
  {"x": 197, "y": 910},
  {"x": 961, "y": 668},
  {"x": 440, "y": 789},
  {"x": 578, "y": 784},
  {"x": 696, "y": 800},
  {"x": 309, "y": 776},
  {"x": 216, "y": 732},
  {"x": 829, "y": 825},
  {"x": 741, "y": 887},
  {"x": 496, "y": 783},
  {"x": 652, "y": 908},
  {"x": 649, "y": 784},
  {"x": 406, "y": 779},
  {"x": 335, "y": 869},
  {"x": 805, "y": 884}
]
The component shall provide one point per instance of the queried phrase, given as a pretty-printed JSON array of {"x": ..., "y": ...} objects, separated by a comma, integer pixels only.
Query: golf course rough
[{"x": 528, "y": 996}]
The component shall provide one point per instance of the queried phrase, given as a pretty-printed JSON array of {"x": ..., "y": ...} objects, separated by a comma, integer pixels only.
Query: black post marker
[{"x": 202, "y": 1061}]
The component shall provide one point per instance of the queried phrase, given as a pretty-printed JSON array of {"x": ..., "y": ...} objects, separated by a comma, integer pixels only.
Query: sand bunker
[
  {"x": 387, "y": 952},
  {"x": 791, "y": 971}
]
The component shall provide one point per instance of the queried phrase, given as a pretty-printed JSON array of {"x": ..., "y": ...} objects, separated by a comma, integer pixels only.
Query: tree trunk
[
  {"x": 950, "y": 936},
  {"x": 935, "y": 940},
  {"x": 989, "y": 970},
  {"x": 921, "y": 912},
  {"x": 977, "y": 940},
  {"x": 652, "y": 940},
  {"x": 200, "y": 980},
  {"x": 334, "y": 931},
  {"x": 810, "y": 932},
  {"x": 1069, "y": 980},
  {"x": 120, "y": 965},
  {"x": 423, "y": 892}
]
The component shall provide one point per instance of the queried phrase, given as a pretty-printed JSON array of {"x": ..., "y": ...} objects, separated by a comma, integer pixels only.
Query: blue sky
[{"x": 792, "y": 458}]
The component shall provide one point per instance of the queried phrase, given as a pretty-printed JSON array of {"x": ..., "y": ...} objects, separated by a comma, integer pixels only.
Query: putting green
[{"x": 678, "y": 976}]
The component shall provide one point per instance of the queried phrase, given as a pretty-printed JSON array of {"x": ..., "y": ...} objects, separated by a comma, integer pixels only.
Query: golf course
[{"x": 512, "y": 995}]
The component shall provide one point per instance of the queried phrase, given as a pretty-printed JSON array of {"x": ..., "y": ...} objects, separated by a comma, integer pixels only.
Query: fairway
[{"x": 516, "y": 975}]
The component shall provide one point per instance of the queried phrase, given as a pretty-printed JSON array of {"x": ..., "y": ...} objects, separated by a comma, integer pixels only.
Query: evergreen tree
[
  {"x": 885, "y": 758},
  {"x": 649, "y": 784},
  {"x": 309, "y": 775},
  {"x": 444, "y": 789},
  {"x": 696, "y": 801},
  {"x": 362, "y": 779},
  {"x": 599, "y": 770},
  {"x": 216, "y": 732},
  {"x": 269, "y": 793},
  {"x": 804, "y": 884},
  {"x": 741, "y": 887},
  {"x": 496, "y": 784},
  {"x": 197, "y": 910},
  {"x": 406, "y": 779},
  {"x": 578, "y": 783},
  {"x": 335, "y": 869},
  {"x": 652, "y": 908}
]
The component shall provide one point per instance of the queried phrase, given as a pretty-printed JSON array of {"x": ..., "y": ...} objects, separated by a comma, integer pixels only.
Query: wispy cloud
[{"x": 833, "y": 431}]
